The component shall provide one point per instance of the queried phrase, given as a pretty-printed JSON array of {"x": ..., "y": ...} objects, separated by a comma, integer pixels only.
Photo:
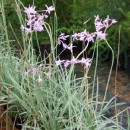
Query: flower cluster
[
  {"x": 100, "y": 26},
  {"x": 61, "y": 40},
  {"x": 84, "y": 36},
  {"x": 37, "y": 72},
  {"x": 35, "y": 20},
  {"x": 85, "y": 62}
]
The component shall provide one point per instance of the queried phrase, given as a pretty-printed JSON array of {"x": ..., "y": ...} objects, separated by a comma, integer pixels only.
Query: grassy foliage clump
[{"x": 49, "y": 96}]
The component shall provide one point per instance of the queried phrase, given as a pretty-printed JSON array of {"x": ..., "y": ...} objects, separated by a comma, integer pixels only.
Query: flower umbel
[
  {"x": 85, "y": 36},
  {"x": 35, "y": 20}
]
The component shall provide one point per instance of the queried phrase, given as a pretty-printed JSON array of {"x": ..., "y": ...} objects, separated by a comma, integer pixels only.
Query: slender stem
[
  {"x": 86, "y": 86},
  {"x": 117, "y": 63},
  {"x": 7, "y": 111},
  {"x": 109, "y": 74},
  {"x": 49, "y": 31},
  {"x": 95, "y": 71},
  {"x": 82, "y": 51}
]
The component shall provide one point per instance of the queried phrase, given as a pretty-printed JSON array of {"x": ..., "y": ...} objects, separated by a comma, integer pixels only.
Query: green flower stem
[
  {"x": 108, "y": 75},
  {"x": 95, "y": 71}
]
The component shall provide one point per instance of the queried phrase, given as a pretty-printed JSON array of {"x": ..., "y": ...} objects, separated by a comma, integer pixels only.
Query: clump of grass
[{"x": 50, "y": 96}]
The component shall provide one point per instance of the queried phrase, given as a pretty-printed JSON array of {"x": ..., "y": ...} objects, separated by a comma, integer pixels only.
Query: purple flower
[
  {"x": 59, "y": 62},
  {"x": 83, "y": 61},
  {"x": 99, "y": 25},
  {"x": 30, "y": 21},
  {"x": 106, "y": 22},
  {"x": 66, "y": 63},
  {"x": 30, "y": 10},
  {"x": 35, "y": 20},
  {"x": 38, "y": 26},
  {"x": 84, "y": 36},
  {"x": 49, "y": 9},
  {"x": 73, "y": 60},
  {"x": 114, "y": 21},
  {"x": 86, "y": 62},
  {"x": 91, "y": 37},
  {"x": 44, "y": 16},
  {"x": 101, "y": 35},
  {"x": 62, "y": 38},
  {"x": 97, "y": 18},
  {"x": 75, "y": 36}
]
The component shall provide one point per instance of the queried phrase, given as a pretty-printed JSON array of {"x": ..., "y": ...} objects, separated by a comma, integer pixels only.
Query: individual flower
[
  {"x": 113, "y": 21},
  {"x": 86, "y": 62},
  {"x": 62, "y": 38},
  {"x": 38, "y": 26},
  {"x": 101, "y": 35},
  {"x": 82, "y": 35},
  {"x": 39, "y": 80},
  {"x": 99, "y": 25},
  {"x": 30, "y": 21},
  {"x": 59, "y": 62},
  {"x": 49, "y": 9},
  {"x": 83, "y": 61},
  {"x": 73, "y": 60},
  {"x": 89, "y": 37},
  {"x": 97, "y": 18},
  {"x": 75, "y": 36},
  {"x": 30, "y": 10},
  {"x": 66, "y": 63},
  {"x": 106, "y": 22}
]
